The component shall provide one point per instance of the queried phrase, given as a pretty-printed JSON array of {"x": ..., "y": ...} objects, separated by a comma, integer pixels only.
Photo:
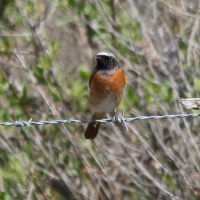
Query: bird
[{"x": 106, "y": 86}]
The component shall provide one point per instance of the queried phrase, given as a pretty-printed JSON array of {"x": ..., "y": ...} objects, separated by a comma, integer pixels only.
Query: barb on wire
[{"x": 115, "y": 120}]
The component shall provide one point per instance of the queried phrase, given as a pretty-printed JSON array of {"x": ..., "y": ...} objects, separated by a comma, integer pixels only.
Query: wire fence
[{"x": 115, "y": 120}]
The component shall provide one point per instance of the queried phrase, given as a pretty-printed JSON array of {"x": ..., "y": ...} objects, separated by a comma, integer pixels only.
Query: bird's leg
[{"x": 94, "y": 123}]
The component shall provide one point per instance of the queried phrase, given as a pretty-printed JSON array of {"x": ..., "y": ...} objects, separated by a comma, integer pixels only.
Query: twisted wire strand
[{"x": 114, "y": 120}]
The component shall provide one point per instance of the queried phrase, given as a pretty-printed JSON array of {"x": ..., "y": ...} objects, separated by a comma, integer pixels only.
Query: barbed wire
[{"x": 115, "y": 120}]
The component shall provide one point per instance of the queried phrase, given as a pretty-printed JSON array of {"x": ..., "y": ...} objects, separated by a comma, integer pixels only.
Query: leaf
[
  {"x": 84, "y": 72},
  {"x": 46, "y": 62},
  {"x": 55, "y": 47},
  {"x": 38, "y": 72},
  {"x": 54, "y": 92}
]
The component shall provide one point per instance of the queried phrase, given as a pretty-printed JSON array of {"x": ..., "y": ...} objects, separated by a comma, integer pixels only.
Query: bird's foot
[{"x": 94, "y": 123}]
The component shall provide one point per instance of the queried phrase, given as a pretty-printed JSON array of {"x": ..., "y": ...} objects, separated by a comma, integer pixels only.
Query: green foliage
[
  {"x": 12, "y": 16},
  {"x": 84, "y": 72},
  {"x": 5, "y": 196},
  {"x": 38, "y": 72},
  {"x": 170, "y": 182},
  {"x": 25, "y": 100},
  {"x": 18, "y": 170},
  {"x": 55, "y": 94},
  {"x": 6, "y": 44},
  {"x": 197, "y": 83},
  {"x": 78, "y": 91},
  {"x": 46, "y": 62},
  {"x": 55, "y": 48}
]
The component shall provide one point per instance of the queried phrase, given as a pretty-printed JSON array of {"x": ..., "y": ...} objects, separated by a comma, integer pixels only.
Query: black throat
[{"x": 106, "y": 69}]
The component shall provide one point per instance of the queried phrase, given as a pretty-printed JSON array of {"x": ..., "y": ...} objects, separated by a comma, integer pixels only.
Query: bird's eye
[{"x": 106, "y": 57}]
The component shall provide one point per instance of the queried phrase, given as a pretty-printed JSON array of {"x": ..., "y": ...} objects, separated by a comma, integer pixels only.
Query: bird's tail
[{"x": 92, "y": 130}]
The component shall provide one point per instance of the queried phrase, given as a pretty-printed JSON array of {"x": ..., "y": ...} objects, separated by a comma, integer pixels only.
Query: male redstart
[{"x": 106, "y": 86}]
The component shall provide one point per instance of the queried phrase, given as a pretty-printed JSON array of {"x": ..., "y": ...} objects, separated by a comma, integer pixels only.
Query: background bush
[{"x": 47, "y": 53}]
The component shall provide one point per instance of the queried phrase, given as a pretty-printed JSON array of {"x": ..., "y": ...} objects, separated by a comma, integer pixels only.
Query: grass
[{"x": 47, "y": 54}]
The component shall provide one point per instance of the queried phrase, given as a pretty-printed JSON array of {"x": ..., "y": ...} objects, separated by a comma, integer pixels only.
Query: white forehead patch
[{"x": 104, "y": 53}]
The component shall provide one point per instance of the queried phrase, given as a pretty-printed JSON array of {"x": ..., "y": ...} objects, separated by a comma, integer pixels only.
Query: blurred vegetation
[{"x": 47, "y": 53}]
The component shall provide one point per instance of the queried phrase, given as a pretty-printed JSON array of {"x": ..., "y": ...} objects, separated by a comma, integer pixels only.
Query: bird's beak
[{"x": 98, "y": 57}]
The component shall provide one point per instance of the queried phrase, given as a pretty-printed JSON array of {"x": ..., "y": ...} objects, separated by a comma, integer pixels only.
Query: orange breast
[{"x": 102, "y": 86}]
